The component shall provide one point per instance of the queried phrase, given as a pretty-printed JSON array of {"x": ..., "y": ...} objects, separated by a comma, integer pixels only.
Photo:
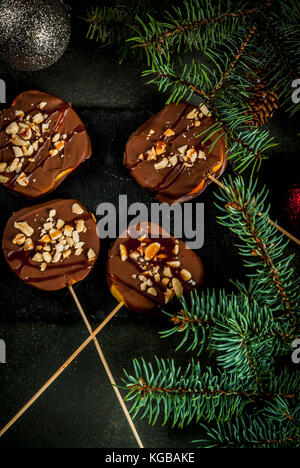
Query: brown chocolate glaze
[
  {"x": 177, "y": 183},
  {"x": 56, "y": 275},
  {"x": 43, "y": 171},
  {"x": 123, "y": 276}
]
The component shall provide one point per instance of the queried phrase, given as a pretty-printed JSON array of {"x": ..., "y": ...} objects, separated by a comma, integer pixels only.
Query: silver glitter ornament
[{"x": 33, "y": 33}]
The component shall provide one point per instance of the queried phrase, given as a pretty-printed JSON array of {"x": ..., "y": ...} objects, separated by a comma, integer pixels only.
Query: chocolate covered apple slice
[
  {"x": 148, "y": 271},
  {"x": 42, "y": 140},
  {"x": 167, "y": 156},
  {"x": 51, "y": 245}
]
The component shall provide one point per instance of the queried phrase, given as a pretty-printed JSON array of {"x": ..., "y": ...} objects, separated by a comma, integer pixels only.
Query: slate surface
[{"x": 41, "y": 329}]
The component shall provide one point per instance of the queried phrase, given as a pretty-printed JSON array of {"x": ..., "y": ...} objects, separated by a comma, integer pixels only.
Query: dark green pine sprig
[
  {"x": 247, "y": 399},
  {"x": 192, "y": 394},
  {"x": 245, "y": 212},
  {"x": 251, "y": 433}
]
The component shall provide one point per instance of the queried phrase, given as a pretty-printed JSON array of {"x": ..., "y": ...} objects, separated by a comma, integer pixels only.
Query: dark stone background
[{"x": 42, "y": 329}]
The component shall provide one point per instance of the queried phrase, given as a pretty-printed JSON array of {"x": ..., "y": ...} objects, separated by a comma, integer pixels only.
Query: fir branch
[
  {"x": 250, "y": 433},
  {"x": 187, "y": 395},
  {"x": 186, "y": 26},
  {"x": 237, "y": 56},
  {"x": 245, "y": 214}
]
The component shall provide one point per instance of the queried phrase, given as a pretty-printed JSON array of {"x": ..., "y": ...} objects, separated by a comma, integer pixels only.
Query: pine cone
[{"x": 263, "y": 101}]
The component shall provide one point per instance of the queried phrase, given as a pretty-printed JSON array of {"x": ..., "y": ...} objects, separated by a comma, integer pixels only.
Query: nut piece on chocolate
[
  {"x": 148, "y": 271},
  {"x": 166, "y": 155},
  {"x": 42, "y": 140},
  {"x": 51, "y": 245}
]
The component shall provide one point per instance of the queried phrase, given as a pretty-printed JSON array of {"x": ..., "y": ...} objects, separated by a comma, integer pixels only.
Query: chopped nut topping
[
  {"x": 169, "y": 294},
  {"x": 18, "y": 152},
  {"x": 165, "y": 281},
  {"x": 176, "y": 249},
  {"x": 48, "y": 226},
  {"x": 134, "y": 255},
  {"x": 162, "y": 164},
  {"x": 193, "y": 114},
  {"x": 24, "y": 228},
  {"x": 167, "y": 272},
  {"x": 185, "y": 275},
  {"x": 57, "y": 257},
  {"x": 28, "y": 245},
  {"x": 201, "y": 155},
  {"x": 45, "y": 127},
  {"x": 45, "y": 239},
  {"x": 17, "y": 141},
  {"x": 67, "y": 253},
  {"x": 3, "y": 179},
  {"x": 151, "y": 155},
  {"x": 160, "y": 147},
  {"x": 152, "y": 291},
  {"x": 59, "y": 145},
  {"x": 12, "y": 128},
  {"x": 182, "y": 149},
  {"x": 23, "y": 180},
  {"x": 76, "y": 237},
  {"x": 204, "y": 110},
  {"x": 78, "y": 251},
  {"x": 26, "y": 133},
  {"x": 68, "y": 230},
  {"x": 56, "y": 137},
  {"x": 38, "y": 258},
  {"x": 60, "y": 224},
  {"x": 80, "y": 225},
  {"x": 76, "y": 209},
  {"x": 55, "y": 234},
  {"x": 19, "y": 239},
  {"x": 175, "y": 264},
  {"x": 42, "y": 105},
  {"x": 169, "y": 132},
  {"x": 20, "y": 114},
  {"x": 173, "y": 160},
  {"x": 123, "y": 252},
  {"x": 177, "y": 286},
  {"x": 38, "y": 118},
  {"x": 14, "y": 165},
  {"x": 47, "y": 257},
  {"x": 152, "y": 250},
  {"x": 91, "y": 255},
  {"x": 3, "y": 167},
  {"x": 191, "y": 155}
]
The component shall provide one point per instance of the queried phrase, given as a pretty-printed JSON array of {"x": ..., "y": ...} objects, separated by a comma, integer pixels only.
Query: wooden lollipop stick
[
  {"x": 107, "y": 369},
  {"x": 61, "y": 369},
  {"x": 286, "y": 233}
]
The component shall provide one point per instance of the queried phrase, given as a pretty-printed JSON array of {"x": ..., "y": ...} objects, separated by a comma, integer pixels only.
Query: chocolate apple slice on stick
[
  {"x": 177, "y": 153},
  {"x": 42, "y": 140},
  {"x": 52, "y": 246},
  {"x": 167, "y": 156},
  {"x": 147, "y": 268}
]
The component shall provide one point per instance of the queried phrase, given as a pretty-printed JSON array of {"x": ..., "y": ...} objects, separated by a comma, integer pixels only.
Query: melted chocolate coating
[
  {"x": 123, "y": 277},
  {"x": 43, "y": 171},
  {"x": 57, "y": 275},
  {"x": 178, "y": 183}
]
